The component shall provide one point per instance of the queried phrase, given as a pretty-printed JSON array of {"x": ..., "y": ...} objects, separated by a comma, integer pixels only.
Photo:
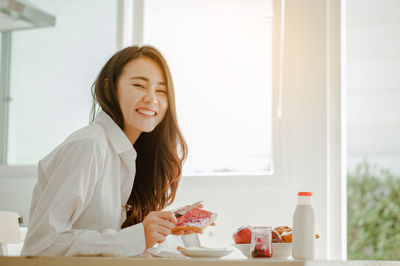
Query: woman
[{"x": 101, "y": 191}]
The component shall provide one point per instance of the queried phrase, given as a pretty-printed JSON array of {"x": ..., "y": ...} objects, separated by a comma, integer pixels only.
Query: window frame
[{"x": 4, "y": 93}]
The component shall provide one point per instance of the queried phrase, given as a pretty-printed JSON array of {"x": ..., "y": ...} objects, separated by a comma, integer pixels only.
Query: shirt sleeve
[{"x": 66, "y": 182}]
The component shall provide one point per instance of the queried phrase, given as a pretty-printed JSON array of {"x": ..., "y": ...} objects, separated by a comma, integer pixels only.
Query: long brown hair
[{"x": 160, "y": 153}]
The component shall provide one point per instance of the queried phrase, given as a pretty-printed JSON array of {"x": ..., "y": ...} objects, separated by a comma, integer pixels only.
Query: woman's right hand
[{"x": 157, "y": 226}]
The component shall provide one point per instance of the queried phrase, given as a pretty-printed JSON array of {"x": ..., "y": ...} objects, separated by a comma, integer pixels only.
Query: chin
[{"x": 147, "y": 129}]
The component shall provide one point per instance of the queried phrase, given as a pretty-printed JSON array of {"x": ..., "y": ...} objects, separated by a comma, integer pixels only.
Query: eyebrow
[{"x": 146, "y": 79}]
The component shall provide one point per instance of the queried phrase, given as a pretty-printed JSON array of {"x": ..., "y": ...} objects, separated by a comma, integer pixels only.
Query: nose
[{"x": 150, "y": 98}]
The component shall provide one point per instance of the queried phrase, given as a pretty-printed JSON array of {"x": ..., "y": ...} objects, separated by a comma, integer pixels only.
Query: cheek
[
  {"x": 123, "y": 105},
  {"x": 161, "y": 115},
  {"x": 121, "y": 97},
  {"x": 164, "y": 107},
  {"x": 127, "y": 100}
]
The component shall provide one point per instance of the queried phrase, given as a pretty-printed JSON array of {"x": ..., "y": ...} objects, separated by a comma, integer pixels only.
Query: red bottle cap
[{"x": 304, "y": 194}]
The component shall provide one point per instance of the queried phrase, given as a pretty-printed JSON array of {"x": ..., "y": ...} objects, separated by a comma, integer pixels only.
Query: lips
[{"x": 146, "y": 112}]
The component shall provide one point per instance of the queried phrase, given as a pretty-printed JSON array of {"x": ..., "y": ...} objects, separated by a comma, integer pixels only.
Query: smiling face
[{"x": 142, "y": 96}]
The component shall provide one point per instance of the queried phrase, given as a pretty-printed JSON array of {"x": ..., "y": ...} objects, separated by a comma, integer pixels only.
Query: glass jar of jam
[{"x": 261, "y": 242}]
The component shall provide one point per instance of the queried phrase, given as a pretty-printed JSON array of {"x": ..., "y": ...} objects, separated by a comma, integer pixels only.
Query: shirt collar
[{"x": 117, "y": 137}]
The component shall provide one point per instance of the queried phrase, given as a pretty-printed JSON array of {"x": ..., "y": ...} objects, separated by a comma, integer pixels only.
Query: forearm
[{"x": 126, "y": 242}]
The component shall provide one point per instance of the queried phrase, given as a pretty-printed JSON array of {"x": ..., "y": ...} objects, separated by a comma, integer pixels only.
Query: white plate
[{"x": 205, "y": 252}]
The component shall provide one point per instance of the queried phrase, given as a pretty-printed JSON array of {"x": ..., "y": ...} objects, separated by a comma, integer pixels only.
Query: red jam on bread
[{"x": 195, "y": 220}]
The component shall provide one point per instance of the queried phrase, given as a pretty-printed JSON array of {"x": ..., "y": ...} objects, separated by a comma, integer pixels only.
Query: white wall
[
  {"x": 16, "y": 186},
  {"x": 373, "y": 64}
]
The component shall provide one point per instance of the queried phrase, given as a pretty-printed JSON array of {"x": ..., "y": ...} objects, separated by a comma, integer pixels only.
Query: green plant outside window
[{"x": 373, "y": 223}]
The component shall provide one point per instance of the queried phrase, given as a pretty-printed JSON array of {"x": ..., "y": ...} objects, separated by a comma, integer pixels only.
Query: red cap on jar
[{"x": 304, "y": 194}]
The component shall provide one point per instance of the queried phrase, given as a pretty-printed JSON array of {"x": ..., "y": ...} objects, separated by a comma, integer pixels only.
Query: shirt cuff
[{"x": 134, "y": 240}]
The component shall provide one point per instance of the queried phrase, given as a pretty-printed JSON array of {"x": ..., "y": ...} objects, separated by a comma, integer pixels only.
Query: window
[
  {"x": 373, "y": 62},
  {"x": 52, "y": 70},
  {"x": 219, "y": 53}
]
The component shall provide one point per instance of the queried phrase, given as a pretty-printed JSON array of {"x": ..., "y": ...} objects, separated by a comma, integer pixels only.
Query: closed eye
[
  {"x": 138, "y": 85},
  {"x": 162, "y": 92}
]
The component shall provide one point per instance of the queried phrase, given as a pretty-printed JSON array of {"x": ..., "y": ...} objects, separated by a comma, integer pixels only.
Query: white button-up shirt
[{"x": 77, "y": 201}]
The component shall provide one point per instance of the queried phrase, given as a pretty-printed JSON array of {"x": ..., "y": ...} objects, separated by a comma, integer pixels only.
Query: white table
[{"x": 99, "y": 261}]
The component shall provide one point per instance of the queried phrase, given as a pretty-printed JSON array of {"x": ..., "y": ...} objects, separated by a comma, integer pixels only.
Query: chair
[{"x": 9, "y": 231}]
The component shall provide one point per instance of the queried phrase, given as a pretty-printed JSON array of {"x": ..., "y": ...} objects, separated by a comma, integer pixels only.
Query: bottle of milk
[{"x": 304, "y": 227}]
